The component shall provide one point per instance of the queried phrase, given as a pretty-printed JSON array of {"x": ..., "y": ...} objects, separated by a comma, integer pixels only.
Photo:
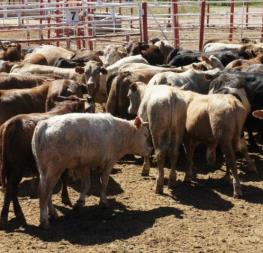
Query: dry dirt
[{"x": 201, "y": 217}]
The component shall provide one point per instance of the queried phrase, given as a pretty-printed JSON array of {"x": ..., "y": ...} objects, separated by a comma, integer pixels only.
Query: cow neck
[
  {"x": 41, "y": 91},
  {"x": 126, "y": 131},
  {"x": 241, "y": 95}
]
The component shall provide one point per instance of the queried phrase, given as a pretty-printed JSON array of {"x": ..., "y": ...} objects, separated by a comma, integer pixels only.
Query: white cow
[
  {"x": 53, "y": 53},
  {"x": 193, "y": 80},
  {"x": 218, "y": 46},
  {"x": 112, "y": 54},
  {"x": 81, "y": 142},
  {"x": 165, "y": 111}
]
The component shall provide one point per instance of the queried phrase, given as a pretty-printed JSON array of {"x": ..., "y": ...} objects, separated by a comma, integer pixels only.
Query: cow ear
[
  {"x": 137, "y": 122},
  {"x": 122, "y": 51},
  {"x": 204, "y": 58},
  {"x": 133, "y": 87},
  {"x": 18, "y": 47},
  {"x": 258, "y": 114},
  {"x": 195, "y": 66},
  {"x": 103, "y": 71},
  {"x": 99, "y": 53},
  {"x": 79, "y": 70}
]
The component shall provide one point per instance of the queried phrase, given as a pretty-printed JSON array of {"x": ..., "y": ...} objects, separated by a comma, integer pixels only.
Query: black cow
[
  {"x": 253, "y": 85},
  {"x": 179, "y": 57},
  {"x": 65, "y": 63}
]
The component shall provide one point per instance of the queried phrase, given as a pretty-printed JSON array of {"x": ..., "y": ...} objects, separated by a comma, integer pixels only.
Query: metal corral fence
[{"x": 89, "y": 23}]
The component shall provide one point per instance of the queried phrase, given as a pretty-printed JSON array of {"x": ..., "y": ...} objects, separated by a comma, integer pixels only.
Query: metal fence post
[
  {"x": 231, "y": 25},
  {"x": 202, "y": 24},
  {"x": 144, "y": 22},
  {"x": 175, "y": 23}
]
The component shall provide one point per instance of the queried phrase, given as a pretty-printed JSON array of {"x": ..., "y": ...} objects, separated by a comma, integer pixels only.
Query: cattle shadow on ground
[
  {"x": 96, "y": 225},
  {"x": 200, "y": 196},
  {"x": 251, "y": 194},
  {"x": 29, "y": 187}
]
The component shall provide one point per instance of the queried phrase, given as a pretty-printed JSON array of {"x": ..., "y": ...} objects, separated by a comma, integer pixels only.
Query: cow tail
[
  {"x": 8, "y": 136},
  {"x": 37, "y": 140}
]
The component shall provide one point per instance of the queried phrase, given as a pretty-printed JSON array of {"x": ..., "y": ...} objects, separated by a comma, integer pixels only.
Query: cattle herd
[{"x": 156, "y": 99}]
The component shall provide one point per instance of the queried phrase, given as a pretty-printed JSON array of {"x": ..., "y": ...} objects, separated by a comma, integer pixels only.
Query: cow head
[
  {"x": 113, "y": 54},
  {"x": 135, "y": 94},
  {"x": 141, "y": 138},
  {"x": 153, "y": 55},
  {"x": 5, "y": 66},
  {"x": 92, "y": 72},
  {"x": 11, "y": 52},
  {"x": 135, "y": 48},
  {"x": 207, "y": 63}
]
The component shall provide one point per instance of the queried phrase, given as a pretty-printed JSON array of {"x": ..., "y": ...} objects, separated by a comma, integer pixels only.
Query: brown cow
[
  {"x": 35, "y": 58},
  {"x": 17, "y": 81},
  {"x": 151, "y": 53},
  {"x": 243, "y": 64},
  {"x": 37, "y": 99},
  {"x": 11, "y": 52},
  {"x": 17, "y": 158},
  {"x": 118, "y": 102}
]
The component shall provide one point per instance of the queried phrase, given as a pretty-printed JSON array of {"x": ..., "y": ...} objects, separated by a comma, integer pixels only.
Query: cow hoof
[
  {"x": 251, "y": 166},
  {"x": 104, "y": 204},
  {"x": 44, "y": 225},
  {"x": 159, "y": 190},
  {"x": 53, "y": 215},
  {"x": 3, "y": 224},
  {"x": 226, "y": 179},
  {"x": 237, "y": 196},
  {"x": 187, "y": 179},
  {"x": 172, "y": 184},
  {"x": 79, "y": 204},
  {"x": 21, "y": 220},
  {"x": 145, "y": 173},
  {"x": 66, "y": 202}
]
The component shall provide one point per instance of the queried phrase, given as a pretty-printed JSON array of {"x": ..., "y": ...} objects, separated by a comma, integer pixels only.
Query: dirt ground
[{"x": 198, "y": 217}]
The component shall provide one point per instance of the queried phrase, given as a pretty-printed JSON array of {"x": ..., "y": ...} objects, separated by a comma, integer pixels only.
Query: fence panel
[{"x": 90, "y": 23}]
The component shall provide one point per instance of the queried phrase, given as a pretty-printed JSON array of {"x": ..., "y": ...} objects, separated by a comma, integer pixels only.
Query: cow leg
[
  {"x": 228, "y": 150},
  {"x": 86, "y": 184},
  {"x": 242, "y": 147},
  {"x": 64, "y": 193},
  {"x": 189, "y": 150},
  {"x": 104, "y": 183},
  {"x": 160, "y": 157},
  {"x": 46, "y": 184},
  {"x": 176, "y": 141},
  {"x": 5, "y": 209},
  {"x": 211, "y": 155},
  {"x": 51, "y": 209},
  {"x": 17, "y": 208},
  {"x": 146, "y": 166},
  {"x": 251, "y": 138}
]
